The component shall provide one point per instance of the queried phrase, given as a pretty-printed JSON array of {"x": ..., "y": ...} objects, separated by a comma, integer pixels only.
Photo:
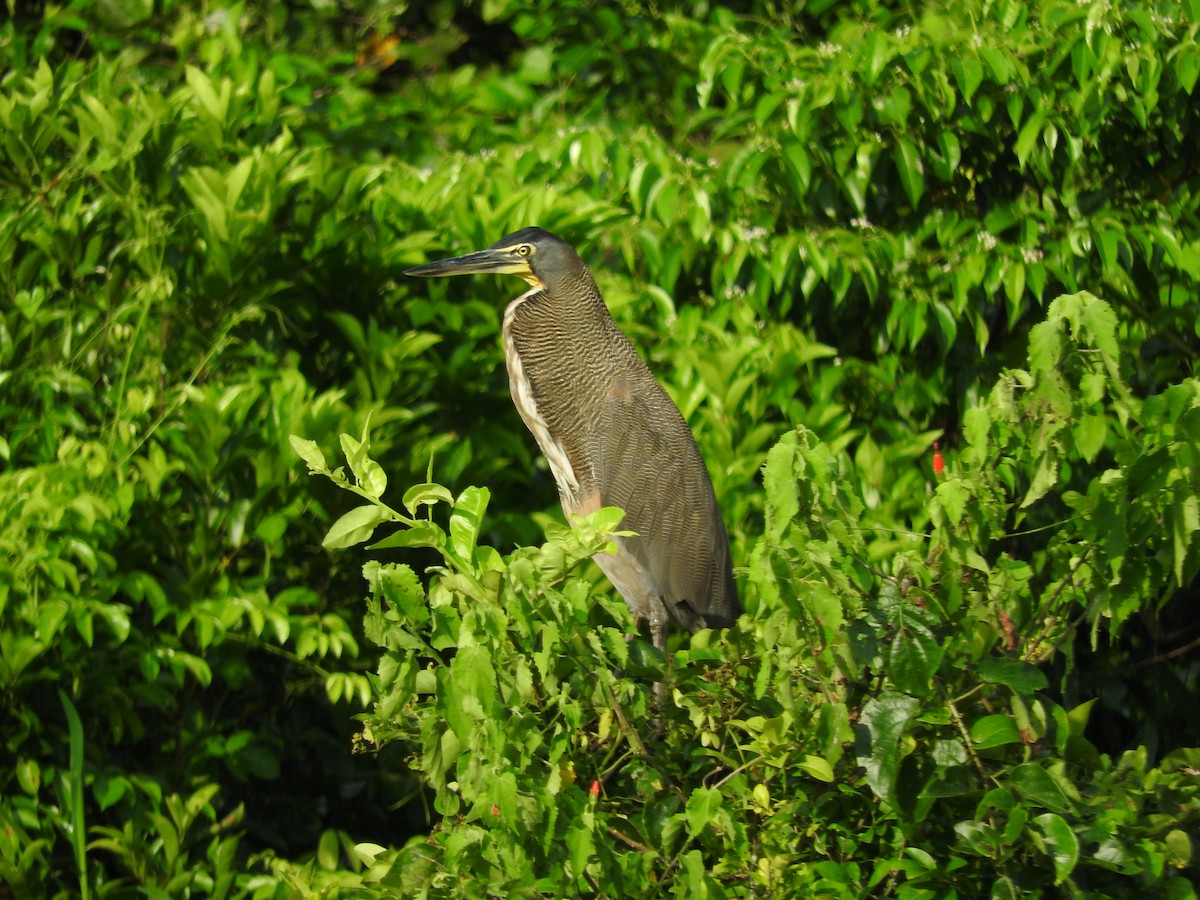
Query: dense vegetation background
[{"x": 923, "y": 278}]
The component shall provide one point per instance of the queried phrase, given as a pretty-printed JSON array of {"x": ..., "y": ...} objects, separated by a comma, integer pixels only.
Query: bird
[{"x": 610, "y": 433}]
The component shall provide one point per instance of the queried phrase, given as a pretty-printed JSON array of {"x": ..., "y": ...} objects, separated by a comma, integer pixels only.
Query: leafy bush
[
  {"x": 876, "y": 722},
  {"x": 156, "y": 565},
  {"x": 846, "y": 216}
]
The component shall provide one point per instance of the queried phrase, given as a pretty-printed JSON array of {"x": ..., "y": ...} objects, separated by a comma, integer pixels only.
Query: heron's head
[{"x": 534, "y": 254}]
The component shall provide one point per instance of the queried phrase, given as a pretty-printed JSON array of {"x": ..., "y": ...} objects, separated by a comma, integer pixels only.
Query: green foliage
[
  {"x": 850, "y": 217},
  {"x": 156, "y": 561},
  {"x": 881, "y": 701}
]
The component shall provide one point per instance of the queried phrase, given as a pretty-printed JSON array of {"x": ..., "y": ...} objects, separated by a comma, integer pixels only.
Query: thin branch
[
  {"x": 956, "y": 716},
  {"x": 628, "y": 841},
  {"x": 1161, "y": 657},
  {"x": 739, "y": 770}
]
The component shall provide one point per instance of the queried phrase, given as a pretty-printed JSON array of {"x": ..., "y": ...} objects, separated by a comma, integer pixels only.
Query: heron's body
[{"x": 611, "y": 434}]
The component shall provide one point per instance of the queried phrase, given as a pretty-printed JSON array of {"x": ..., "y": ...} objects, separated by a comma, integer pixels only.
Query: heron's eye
[{"x": 525, "y": 250}]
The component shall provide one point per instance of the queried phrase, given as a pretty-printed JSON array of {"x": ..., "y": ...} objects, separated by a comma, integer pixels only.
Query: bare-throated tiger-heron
[{"x": 610, "y": 433}]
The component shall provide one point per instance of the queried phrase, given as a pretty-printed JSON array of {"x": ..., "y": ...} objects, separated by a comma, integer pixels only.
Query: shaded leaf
[
  {"x": 1060, "y": 842},
  {"x": 878, "y": 741}
]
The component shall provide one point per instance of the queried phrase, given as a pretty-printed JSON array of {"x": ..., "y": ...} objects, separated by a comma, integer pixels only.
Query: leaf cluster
[
  {"x": 885, "y": 707},
  {"x": 848, "y": 219}
]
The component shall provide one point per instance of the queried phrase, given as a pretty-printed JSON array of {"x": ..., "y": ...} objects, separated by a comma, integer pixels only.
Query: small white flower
[{"x": 986, "y": 240}]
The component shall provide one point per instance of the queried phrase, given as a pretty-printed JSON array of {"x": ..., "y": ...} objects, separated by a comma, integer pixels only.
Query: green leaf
[
  {"x": 911, "y": 170},
  {"x": 235, "y": 182},
  {"x": 108, "y": 790},
  {"x": 702, "y": 807},
  {"x": 581, "y": 845},
  {"x": 426, "y": 494},
  {"x": 1060, "y": 843},
  {"x": 328, "y": 850},
  {"x": 466, "y": 521},
  {"x": 1045, "y": 346},
  {"x": 1185, "y": 522},
  {"x": 878, "y": 740},
  {"x": 421, "y": 533},
  {"x": 471, "y": 694},
  {"x": 29, "y": 776},
  {"x": 355, "y": 527},
  {"x": 978, "y": 837},
  {"x": 368, "y": 473},
  {"x": 401, "y": 587},
  {"x": 1014, "y": 281},
  {"x": 194, "y": 666},
  {"x": 1106, "y": 246},
  {"x": 946, "y": 320},
  {"x": 976, "y": 427},
  {"x": 310, "y": 453},
  {"x": 103, "y": 124},
  {"x": 1179, "y": 849},
  {"x": 994, "y": 731},
  {"x": 1039, "y": 786},
  {"x": 952, "y": 495},
  {"x": 999, "y": 62},
  {"x": 968, "y": 72},
  {"x": 271, "y": 529},
  {"x": 1030, "y": 132},
  {"x": 1187, "y": 65},
  {"x": 372, "y": 478},
  {"x": 951, "y": 151},
  {"x": 1023, "y": 677},
  {"x": 913, "y": 658},
  {"x": 818, "y": 768},
  {"x": 503, "y": 794},
  {"x": 202, "y": 89},
  {"x": 74, "y": 789},
  {"x": 1090, "y": 432},
  {"x": 1044, "y": 478},
  {"x": 798, "y": 166},
  {"x": 117, "y": 619},
  {"x": 877, "y": 51},
  {"x": 695, "y": 883},
  {"x": 50, "y": 616},
  {"x": 1101, "y": 323},
  {"x": 779, "y": 483}
]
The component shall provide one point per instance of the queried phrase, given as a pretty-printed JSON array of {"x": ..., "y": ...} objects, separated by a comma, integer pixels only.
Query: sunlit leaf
[
  {"x": 994, "y": 731},
  {"x": 355, "y": 527},
  {"x": 701, "y": 807}
]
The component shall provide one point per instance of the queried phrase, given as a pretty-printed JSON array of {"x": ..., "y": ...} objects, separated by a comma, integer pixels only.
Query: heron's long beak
[{"x": 500, "y": 262}]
